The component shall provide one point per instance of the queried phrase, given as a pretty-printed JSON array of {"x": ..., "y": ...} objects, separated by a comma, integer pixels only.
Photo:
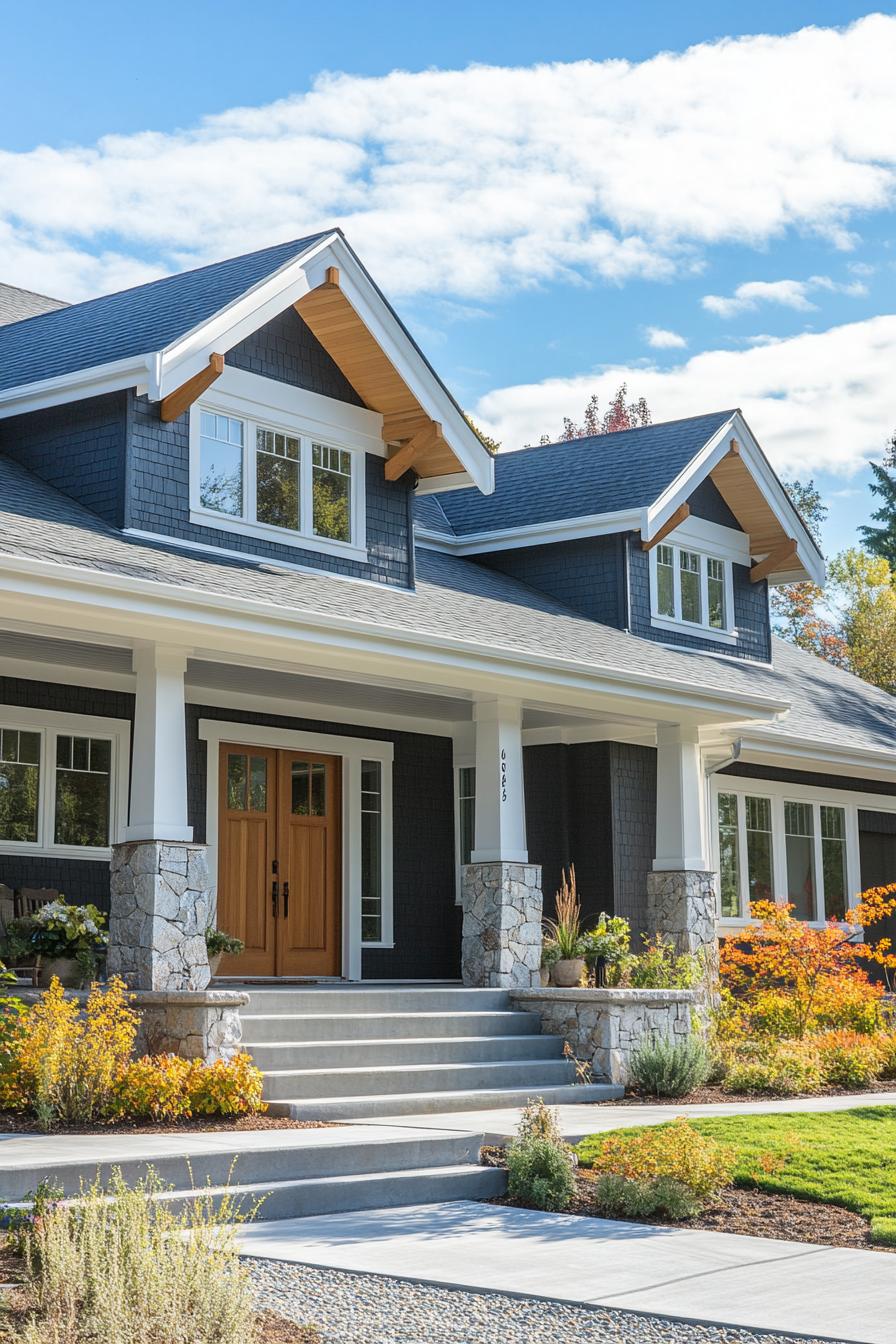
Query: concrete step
[
  {"x": 348, "y": 1151},
  {"x": 533, "y": 1074},
  {"x": 375, "y": 1106},
  {"x": 347, "y": 1054},
  {"x": 275, "y": 1026},
  {"x": 338, "y": 999}
]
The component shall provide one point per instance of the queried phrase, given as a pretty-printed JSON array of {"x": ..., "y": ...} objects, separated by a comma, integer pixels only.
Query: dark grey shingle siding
[
  {"x": 585, "y": 574},
  {"x": 286, "y": 349},
  {"x": 78, "y": 448}
]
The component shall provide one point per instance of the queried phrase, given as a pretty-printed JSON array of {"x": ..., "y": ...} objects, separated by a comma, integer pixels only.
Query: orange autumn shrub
[
  {"x": 848, "y": 1058},
  {"x": 227, "y": 1087},
  {"x": 155, "y": 1087},
  {"x": 785, "y": 977},
  {"x": 675, "y": 1151},
  {"x": 886, "y": 1051}
]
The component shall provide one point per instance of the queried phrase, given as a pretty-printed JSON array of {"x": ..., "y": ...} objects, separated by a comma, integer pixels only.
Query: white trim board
[
  {"x": 53, "y": 723},
  {"x": 352, "y": 750}
]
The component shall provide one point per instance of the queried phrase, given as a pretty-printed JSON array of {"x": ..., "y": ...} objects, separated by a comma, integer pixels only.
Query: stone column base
[
  {"x": 160, "y": 909},
  {"x": 682, "y": 907},
  {"x": 501, "y": 946}
]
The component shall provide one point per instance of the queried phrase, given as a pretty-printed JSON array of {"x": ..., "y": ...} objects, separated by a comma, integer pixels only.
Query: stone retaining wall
[{"x": 603, "y": 1027}]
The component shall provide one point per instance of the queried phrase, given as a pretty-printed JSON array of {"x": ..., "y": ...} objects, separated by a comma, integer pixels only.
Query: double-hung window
[
  {"x": 691, "y": 588},
  {"x": 276, "y": 481},
  {"x": 62, "y": 783},
  {"x": 772, "y": 845}
]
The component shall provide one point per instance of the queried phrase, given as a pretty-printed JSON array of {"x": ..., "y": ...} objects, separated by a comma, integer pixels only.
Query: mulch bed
[
  {"x": 703, "y": 1096},
  {"x": 275, "y": 1329},
  {"x": 11, "y": 1122},
  {"x": 749, "y": 1213}
]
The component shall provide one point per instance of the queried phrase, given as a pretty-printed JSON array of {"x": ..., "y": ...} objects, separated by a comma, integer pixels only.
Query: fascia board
[
  {"x": 534, "y": 534},
  {"x": 254, "y": 617},
  {"x": 76, "y": 386},
  {"x": 701, "y": 464},
  {"x": 871, "y": 763}
]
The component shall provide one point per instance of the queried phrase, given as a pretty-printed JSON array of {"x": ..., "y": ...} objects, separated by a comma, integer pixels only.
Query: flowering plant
[{"x": 61, "y": 930}]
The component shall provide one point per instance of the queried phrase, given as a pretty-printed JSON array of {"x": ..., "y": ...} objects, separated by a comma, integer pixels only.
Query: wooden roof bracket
[
  {"x": 182, "y": 398},
  {"x": 774, "y": 560},
  {"x": 409, "y": 452},
  {"x": 677, "y": 518}
]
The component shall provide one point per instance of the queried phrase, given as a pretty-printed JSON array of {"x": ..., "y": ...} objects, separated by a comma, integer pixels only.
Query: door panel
[
  {"x": 247, "y": 824},
  {"x": 308, "y": 934},
  {"x": 280, "y": 861}
]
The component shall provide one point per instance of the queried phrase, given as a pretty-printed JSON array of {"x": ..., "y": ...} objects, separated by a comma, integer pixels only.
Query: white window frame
[
  {"x": 780, "y": 793},
  {"x": 352, "y": 750},
  {"x": 50, "y": 724},
  {"x": 301, "y": 419},
  {"x": 460, "y": 763},
  {"x": 710, "y": 541}
]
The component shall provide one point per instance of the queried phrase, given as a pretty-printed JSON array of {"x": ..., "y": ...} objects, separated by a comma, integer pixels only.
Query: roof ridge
[{"x": 633, "y": 429}]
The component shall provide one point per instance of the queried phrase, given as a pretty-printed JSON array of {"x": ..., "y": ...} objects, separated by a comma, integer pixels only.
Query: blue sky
[{"x": 551, "y": 204}]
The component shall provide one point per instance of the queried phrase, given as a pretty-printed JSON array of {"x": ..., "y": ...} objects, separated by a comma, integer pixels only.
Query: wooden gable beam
[
  {"x": 403, "y": 425},
  {"x": 681, "y": 513},
  {"x": 407, "y": 455},
  {"x": 182, "y": 398},
  {"x": 774, "y": 560}
]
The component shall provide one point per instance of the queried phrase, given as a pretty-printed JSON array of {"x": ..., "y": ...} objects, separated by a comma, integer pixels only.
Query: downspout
[{"x": 412, "y": 559}]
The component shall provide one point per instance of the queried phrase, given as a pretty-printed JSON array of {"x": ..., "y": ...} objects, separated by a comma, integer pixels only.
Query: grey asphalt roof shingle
[
  {"x": 429, "y": 513},
  {"x": 17, "y": 304},
  {"x": 134, "y": 321},
  {"x": 455, "y": 599},
  {"x": 600, "y": 474}
]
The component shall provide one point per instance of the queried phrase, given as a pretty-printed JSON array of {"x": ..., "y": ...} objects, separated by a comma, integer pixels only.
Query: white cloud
[
  {"x": 660, "y": 338},
  {"x": 466, "y": 183},
  {"x": 787, "y": 293},
  {"x": 820, "y": 401}
]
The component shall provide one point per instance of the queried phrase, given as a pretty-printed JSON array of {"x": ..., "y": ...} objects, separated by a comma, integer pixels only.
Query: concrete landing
[{"x": 693, "y": 1275}]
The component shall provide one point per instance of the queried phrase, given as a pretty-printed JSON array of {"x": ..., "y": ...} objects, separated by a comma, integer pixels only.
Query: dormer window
[
  {"x": 279, "y": 481},
  {"x": 691, "y": 589}
]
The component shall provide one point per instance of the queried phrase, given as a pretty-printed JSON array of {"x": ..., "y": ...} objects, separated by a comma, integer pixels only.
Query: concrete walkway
[
  {"x": 843, "y": 1295},
  {"x": 578, "y": 1121}
]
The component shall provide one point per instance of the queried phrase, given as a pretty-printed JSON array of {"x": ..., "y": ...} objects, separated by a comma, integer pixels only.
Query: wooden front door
[{"x": 279, "y": 860}]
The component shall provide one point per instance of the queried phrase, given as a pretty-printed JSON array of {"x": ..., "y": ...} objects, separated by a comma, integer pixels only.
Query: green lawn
[{"x": 839, "y": 1157}]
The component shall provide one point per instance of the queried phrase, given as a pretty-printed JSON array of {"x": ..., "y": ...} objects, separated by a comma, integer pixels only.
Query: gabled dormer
[
  {"x": 271, "y": 405},
  {"x": 673, "y": 531}
]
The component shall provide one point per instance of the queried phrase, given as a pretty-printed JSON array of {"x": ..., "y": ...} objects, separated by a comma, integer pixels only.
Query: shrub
[
  {"x": 848, "y": 1058},
  {"x": 666, "y": 1068},
  {"x": 155, "y": 1087},
  {"x": 610, "y": 939},
  {"x": 676, "y": 1151},
  {"x": 540, "y": 1174},
  {"x": 119, "y": 1265},
  {"x": 538, "y": 1121},
  {"x": 886, "y": 1049},
  {"x": 67, "y": 1064},
  {"x": 227, "y": 1087},
  {"x": 777, "y": 1069},
  {"x": 658, "y": 967},
  {"x": 219, "y": 943},
  {"x": 663, "y": 1197}
]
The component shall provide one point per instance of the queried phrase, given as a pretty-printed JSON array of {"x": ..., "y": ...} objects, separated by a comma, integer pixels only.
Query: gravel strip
[{"x": 371, "y": 1309}]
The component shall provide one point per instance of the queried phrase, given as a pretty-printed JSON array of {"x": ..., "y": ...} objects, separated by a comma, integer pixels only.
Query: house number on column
[{"x": 503, "y": 775}]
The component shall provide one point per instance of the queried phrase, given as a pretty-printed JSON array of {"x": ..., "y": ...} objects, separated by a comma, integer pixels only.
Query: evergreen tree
[{"x": 882, "y": 540}]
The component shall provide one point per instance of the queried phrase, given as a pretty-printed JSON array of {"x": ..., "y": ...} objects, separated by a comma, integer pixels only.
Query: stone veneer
[
  {"x": 161, "y": 903},
  {"x": 682, "y": 907},
  {"x": 200, "y": 1025},
  {"x": 603, "y": 1027},
  {"x": 501, "y": 943}
]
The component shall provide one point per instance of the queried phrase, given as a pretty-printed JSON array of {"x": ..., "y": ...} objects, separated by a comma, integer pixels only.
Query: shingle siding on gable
[
  {"x": 78, "y": 448},
  {"x": 586, "y": 574},
  {"x": 159, "y": 498},
  {"x": 706, "y": 502},
  {"x": 286, "y": 349}
]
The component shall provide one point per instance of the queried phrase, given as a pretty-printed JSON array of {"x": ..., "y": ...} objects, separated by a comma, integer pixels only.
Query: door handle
[
  {"x": 285, "y": 900},
  {"x": 274, "y": 898}
]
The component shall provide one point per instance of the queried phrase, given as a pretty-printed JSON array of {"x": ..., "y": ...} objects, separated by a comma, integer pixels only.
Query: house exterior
[{"x": 283, "y": 647}]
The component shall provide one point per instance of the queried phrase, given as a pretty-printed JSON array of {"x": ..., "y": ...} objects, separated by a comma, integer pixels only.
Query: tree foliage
[
  {"x": 622, "y": 414},
  {"x": 881, "y": 541}
]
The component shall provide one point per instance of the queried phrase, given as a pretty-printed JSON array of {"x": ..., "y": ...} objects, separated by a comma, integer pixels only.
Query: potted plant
[
  {"x": 219, "y": 944},
  {"x": 607, "y": 946},
  {"x": 550, "y": 955},
  {"x": 566, "y": 932},
  {"x": 65, "y": 939}
]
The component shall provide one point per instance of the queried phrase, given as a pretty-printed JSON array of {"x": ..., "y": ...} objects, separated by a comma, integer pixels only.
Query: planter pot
[
  {"x": 545, "y": 975},
  {"x": 568, "y": 972},
  {"x": 214, "y": 962},
  {"x": 67, "y": 970}
]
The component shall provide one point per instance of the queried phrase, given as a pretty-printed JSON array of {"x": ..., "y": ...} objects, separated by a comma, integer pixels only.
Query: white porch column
[
  {"x": 500, "y": 799},
  {"x": 681, "y": 890},
  {"x": 500, "y": 889},
  {"x": 159, "y": 776},
  {"x": 680, "y": 830},
  {"x": 161, "y": 896}
]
